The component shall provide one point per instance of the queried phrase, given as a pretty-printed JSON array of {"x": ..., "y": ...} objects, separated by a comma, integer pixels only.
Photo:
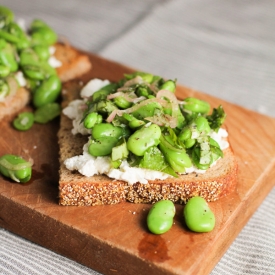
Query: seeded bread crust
[
  {"x": 76, "y": 189},
  {"x": 74, "y": 64}
]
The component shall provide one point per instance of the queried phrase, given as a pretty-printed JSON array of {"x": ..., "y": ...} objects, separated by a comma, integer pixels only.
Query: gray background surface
[{"x": 223, "y": 48}]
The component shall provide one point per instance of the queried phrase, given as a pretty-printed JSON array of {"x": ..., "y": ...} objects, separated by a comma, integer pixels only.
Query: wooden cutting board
[{"x": 114, "y": 239}]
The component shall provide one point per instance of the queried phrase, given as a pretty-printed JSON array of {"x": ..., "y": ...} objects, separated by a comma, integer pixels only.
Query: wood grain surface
[{"x": 114, "y": 239}]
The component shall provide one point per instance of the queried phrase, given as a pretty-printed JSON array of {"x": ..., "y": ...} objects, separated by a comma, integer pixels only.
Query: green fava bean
[
  {"x": 104, "y": 92},
  {"x": 4, "y": 71},
  {"x": 169, "y": 85},
  {"x": 6, "y": 16},
  {"x": 133, "y": 122},
  {"x": 146, "y": 110},
  {"x": 196, "y": 105},
  {"x": 16, "y": 30},
  {"x": 33, "y": 72},
  {"x": 16, "y": 168},
  {"x": 42, "y": 51},
  {"x": 42, "y": 34},
  {"x": 185, "y": 134},
  {"x": 189, "y": 143},
  {"x": 47, "y": 92},
  {"x": 102, "y": 146},
  {"x": 145, "y": 76},
  {"x": 107, "y": 130},
  {"x": 9, "y": 37},
  {"x": 122, "y": 103},
  {"x": 28, "y": 56},
  {"x": 7, "y": 58},
  {"x": 47, "y": 112},
  {"x": 24, "y": 121},
  {"x": 143, "y": 139},
  {"x": 178, "y": 159},
  {"x": 160, "y": 217},
  {"x": 91, "y": 119},
  {"x": 202, "y": 124},
  {"x": 198, "y": 216}
]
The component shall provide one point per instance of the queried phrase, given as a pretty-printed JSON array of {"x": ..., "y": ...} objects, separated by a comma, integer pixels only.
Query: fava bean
[
  {"x": 103, "y": 92},
  {"x": 196, "y": 105},
  {"x": 42, "y": 34},
  {"x": 9, "y": 37},
  {"x": 133, "y": 122},
  {"x": 202, "y": 124},
  {"x": 147, "y": 110},
  {"x": 185, "y": 134},
  {"x": 91, "y": 119},
  {"x": 15, "y": 167},
  {"x": 107, "y": 130},
  {"x": 47, "y": 92},
  {"x": 33, "y": 72},
  {"x": 47, "y": 112},
  {"x": 6, "y": 16},
  {"x": 42, "y": 52},
  {"x": 190, "y": 142},
  {"x": 28, "y": 56},
  {"x": 169, "y": 85},
  {"x": 15, "y": 29},
  {"x": 4, "y": 71},
  {"x": 145, "y": 76},
  {"x": 198, "y": 215},
  {"x": 177, "y": 158},
  {"x": 7, "y": 58},
  {"x": 160, "y": 217},
  {"x": 102, "y": 146},
  {"x": 144, "y": 138},
  {"x": 122, "y": 103},
  {"x": 24, "y": 121}
]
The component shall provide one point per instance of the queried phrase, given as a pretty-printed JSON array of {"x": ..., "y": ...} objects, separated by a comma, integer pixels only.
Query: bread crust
[
  {"x": 76, "y": 189},
  {"x": 13, "y": 104},
  {"x": 74, "y": 64}
]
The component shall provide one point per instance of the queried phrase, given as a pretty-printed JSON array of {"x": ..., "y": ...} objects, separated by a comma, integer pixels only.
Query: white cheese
[
  {"x": 219, "y": 137},
  {"x": 54, "y": 62},
  {"x": 75, "y": 112},
  {"x": 75, "y": 109},
  {"x": 89, "y": 166},
  {"x": 92, "y": 86},
  {"x": 21, "y": 79}
]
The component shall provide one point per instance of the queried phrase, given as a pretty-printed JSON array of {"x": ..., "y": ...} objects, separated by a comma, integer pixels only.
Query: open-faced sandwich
[
  {"x": 33, "y": 64},
  {"x": 133, "y": 140}
]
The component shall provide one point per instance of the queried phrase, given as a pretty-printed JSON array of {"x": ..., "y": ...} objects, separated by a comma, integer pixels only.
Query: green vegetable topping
[{"x": 140, "y": 120}]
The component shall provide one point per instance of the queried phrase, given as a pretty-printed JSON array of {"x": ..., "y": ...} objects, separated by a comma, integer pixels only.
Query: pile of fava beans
[{"x": 24, "y": 61}]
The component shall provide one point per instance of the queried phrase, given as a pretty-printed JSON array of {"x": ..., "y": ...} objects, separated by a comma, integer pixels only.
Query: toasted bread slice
[
  {"x": 76, "y": 189},
  {"x": 74, "y": 64},
  {"x": 14, "y": 103}
]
